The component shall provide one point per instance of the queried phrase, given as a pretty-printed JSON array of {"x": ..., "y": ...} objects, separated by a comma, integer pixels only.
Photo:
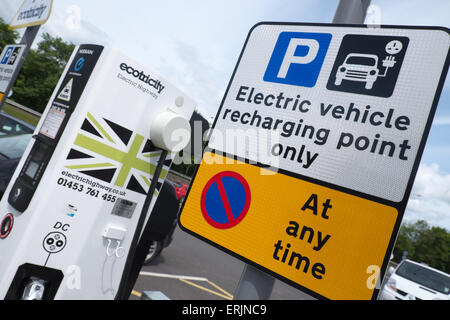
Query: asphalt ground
[{"x": 190, "y": 269}]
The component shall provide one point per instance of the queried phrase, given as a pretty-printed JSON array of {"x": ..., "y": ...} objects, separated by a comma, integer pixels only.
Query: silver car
[
  {"x": 10, "y": 125},
  {"x": 416, "y": 281}
]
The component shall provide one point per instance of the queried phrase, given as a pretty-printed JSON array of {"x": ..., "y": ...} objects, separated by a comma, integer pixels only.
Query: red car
[
  {"x": 181, "y": 190},
  {"x": 163, "y": 220}
]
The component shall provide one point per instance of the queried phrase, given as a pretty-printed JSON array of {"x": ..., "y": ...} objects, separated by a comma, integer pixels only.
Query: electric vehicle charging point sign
[
  {"x": 9, "y": 61},
  {"x": 327, "y": 124}
]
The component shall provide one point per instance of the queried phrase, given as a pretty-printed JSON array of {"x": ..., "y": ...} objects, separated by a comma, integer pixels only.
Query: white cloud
[
  {"x": 199, "y": 76},
  {"x": 65, "y": 21},
  {"x": 71, "y": 27},
  {"x": 9, "y": 8},
  {"x": 430, "y": 197}
]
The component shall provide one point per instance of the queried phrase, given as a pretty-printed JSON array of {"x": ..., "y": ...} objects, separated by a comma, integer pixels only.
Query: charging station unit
[{"x": 76, "y": 206}]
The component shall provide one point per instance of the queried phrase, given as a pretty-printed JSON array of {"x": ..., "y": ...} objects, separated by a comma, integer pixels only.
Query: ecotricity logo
[
  {"x": 146, "y": 78},
  {"x": 32, "y": 12}
]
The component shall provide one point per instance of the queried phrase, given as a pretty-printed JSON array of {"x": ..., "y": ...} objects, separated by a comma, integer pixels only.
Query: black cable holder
[{"x": 128, "y": 277}]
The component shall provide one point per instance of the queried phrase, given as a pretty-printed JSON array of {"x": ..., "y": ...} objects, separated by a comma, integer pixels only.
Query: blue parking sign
[
  {"x": 8, "y": 53},
  {"x": 297, "y": 58}
]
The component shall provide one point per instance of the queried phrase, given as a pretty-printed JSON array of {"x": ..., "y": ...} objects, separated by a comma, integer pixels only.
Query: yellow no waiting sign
[{"x": 306, "y": 233}]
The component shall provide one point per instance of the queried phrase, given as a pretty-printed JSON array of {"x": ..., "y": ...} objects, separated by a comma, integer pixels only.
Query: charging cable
[{"x": 116, "y": 251}]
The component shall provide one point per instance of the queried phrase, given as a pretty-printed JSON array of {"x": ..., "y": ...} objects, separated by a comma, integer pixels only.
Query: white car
[
  {"x": 358, "y": 67},
  {"x": 416, "y": 281}
]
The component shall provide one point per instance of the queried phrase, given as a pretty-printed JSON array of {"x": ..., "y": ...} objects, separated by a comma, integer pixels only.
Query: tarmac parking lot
[{"x": 190, "y": 269}]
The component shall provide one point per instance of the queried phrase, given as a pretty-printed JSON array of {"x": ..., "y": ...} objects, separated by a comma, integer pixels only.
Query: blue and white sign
[
  {"x": 345, "y": 105},
  {"x": 5, "y": 57},
  {"x": 297, "y": 58},
  {"x": 9, "y": 60}
]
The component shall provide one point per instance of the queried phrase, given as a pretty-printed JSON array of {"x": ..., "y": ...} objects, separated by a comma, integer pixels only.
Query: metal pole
[
  {"x": 351, "y": 11},
  {"x": 27, "y": 39},
  {"x": 132, "y": 266},
  {"x": 255, "y": 284}
]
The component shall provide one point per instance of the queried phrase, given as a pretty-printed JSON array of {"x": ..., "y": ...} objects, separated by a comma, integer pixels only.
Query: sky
[{"x": 195, "y": 44}]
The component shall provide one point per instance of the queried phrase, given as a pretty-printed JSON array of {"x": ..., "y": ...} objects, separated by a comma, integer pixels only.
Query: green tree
[
  {"x": 188, "y": 169},
  {"x": 433, "y": 248},
  {"x": 430, "y": 245},
  {"x": 41, "y": 71},
  {"x": 7, "y": 36},
  {"x": 405, "y": 242}
]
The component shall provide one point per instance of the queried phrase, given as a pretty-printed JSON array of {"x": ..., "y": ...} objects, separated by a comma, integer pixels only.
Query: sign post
[
  {"x": 31, "y": 15},
  {"x": 351, "y": 11},
  {"x": 255, "y": 284},
  {"x": 327, "y": 124},
  {"x": 25, "y": 45}
]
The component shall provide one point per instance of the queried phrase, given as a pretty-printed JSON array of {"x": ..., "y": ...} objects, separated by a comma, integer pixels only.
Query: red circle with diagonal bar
[{"x": 225, "y": 200}]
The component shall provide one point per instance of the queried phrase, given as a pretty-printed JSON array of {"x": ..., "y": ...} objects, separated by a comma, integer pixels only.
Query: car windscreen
[
  {"x": 425, "y": 277},
  {"x": 13, "y": 147},
  {"x": 362, "y": 61},
  {"x": 11, "y": 127}
]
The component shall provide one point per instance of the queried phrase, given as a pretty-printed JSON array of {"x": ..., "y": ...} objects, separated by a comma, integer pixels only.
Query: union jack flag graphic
[{"x": 112, "y": 153}]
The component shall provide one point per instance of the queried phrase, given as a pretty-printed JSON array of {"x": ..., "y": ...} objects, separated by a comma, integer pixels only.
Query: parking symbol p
[
  {"x": 297, "y": 58},
  {"x": 7, "y": 55}
]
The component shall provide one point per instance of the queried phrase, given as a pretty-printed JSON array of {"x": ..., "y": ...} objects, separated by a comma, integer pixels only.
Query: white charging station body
[{"x": 76, "y": 197}]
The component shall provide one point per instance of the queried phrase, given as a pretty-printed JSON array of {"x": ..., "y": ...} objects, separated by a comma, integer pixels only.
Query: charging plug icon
[
  {"x": 387, "y": 63},
  {"x": 368, "y": 64}
]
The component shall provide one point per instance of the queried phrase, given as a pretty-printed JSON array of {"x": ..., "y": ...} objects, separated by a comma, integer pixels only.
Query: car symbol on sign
[{"x": 358, "y": 67}]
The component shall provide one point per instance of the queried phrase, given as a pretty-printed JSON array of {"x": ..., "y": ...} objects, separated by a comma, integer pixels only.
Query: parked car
[
  {"x": 416, "y": 281},
  {"x": 10, "y": 125},
  {"x": 162, "y": 221},
  {"x": 181, "y": 190},
  {"x": 12, "y": 148}
]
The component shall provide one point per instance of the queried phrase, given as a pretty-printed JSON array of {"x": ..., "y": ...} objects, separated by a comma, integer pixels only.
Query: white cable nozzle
[{"x": 170, "y": 131}]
